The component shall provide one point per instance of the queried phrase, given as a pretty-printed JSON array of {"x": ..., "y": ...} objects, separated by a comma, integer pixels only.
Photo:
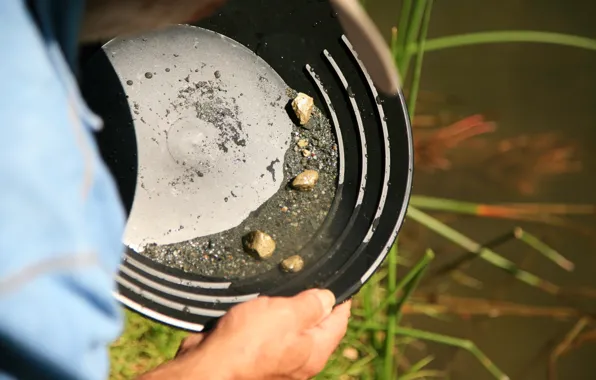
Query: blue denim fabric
[{"x": 61, "y": 219}]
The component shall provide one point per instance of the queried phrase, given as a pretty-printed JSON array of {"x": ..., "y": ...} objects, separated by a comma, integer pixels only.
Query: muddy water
[{"x": 527, "y": 89}]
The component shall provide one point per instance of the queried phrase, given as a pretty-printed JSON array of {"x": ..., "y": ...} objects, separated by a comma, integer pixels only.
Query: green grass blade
[
  {"x": 395, "y": 49},
  {"x": 425, "y": 375},
  {"x": 359, "y": 366},
  {"x": 444, "y": 204},
  {"x": 484, "y": 253},
  {"x": 543, "y": 249},
  {"x": 419, "y": 59},
  {"x": 402, "y": 30},
  {"x": 455, "y": 342},
  {"x": 416, "y": 368},
  {"x": 408, "y": 278},
  {"x": 505, "y": 36},
  {"x": 388, "y": 368},
  {"x": 520, "y": 211},
  {"x": 544, "y": 213},
  {"x": 412, "y": 285},
  {"x": 408, "y": 290},
  {"x": 412, "y": 34},
  {"x": 443, "y": 339},
  {"x": 368, "y": 298}
]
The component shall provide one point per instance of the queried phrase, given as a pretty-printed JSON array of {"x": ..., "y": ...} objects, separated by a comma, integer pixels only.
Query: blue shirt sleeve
[{"x": 61, "y": 220}]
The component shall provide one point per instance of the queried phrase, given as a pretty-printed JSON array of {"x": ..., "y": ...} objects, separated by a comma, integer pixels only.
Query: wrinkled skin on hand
[{"x": 266, "y": 338}]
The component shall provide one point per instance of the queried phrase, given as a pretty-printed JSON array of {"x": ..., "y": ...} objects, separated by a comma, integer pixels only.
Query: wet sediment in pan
[{"x": 290, "y": 217}]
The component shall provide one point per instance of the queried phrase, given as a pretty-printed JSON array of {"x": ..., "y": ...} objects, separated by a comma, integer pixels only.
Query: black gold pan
[{"x": 199, "y": 135}]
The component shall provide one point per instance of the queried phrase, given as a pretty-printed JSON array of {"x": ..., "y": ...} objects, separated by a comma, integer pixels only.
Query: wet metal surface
[
  {"x": 211, "y": 128},
  {"x": 291, "y": 217},
  {"x": 217, "y": 152}
]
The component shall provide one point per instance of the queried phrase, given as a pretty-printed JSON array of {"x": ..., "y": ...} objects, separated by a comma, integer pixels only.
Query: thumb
[
  {"x": 327, "y": 336},
  {"x": 312, "y": 306}
]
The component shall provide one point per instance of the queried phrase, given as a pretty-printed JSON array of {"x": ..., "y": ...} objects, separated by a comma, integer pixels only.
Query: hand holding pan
[{"x": 157, "y": 91}]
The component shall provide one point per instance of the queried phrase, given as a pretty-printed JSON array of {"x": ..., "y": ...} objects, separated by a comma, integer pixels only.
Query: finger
[
  {"x": 189, "y": 343},
  {"x": 311, "y": 307},
  {"x": 326, "y": 337}
]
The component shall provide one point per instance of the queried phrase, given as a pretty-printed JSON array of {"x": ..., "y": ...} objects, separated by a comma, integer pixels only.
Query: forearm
[{"x": 200, "y": 364}]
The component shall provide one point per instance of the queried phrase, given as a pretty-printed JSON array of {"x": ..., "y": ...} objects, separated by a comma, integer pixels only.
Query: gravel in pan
[{"x": 290, "y": 217}]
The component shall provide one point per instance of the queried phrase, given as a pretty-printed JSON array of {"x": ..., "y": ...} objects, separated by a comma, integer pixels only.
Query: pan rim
[{"x": 349, "y": 285}]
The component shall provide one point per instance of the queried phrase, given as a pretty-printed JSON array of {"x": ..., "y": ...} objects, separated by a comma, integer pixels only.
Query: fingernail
[{"x": 327, "y": 299}]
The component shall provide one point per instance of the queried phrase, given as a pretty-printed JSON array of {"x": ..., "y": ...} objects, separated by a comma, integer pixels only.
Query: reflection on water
[{"x": 541, "y": 98}]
